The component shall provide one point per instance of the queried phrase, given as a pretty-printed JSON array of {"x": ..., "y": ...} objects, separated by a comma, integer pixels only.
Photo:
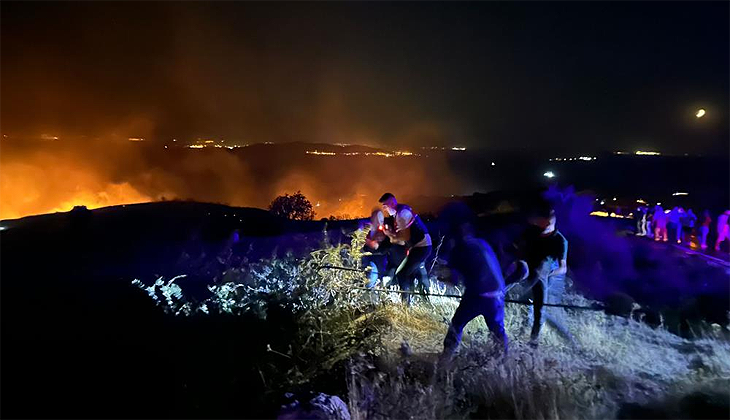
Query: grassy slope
[{"x": 616, "y": 361}]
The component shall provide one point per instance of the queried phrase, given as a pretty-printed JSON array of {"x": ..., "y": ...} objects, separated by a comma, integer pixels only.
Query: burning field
[{"x": 57, "y": 175}]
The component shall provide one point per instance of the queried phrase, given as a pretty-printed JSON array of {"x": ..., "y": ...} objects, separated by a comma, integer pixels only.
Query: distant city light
[
  {"x": 640, "y": 201},
  {"x": 460, "y": 149},
  {"x": 384, "y": 154},
  {"x": 614, "y": 199},
  {"x": 549, "y": 174},
  {"x": 136, "y": 139},
  {"x": 603, "y": 202},
  {"x": 493, "y": 164},
  {"x": 601, "y": 213},
  {"x": 317, "y": 152},
  {"x": 584, "y": 158},
  {"x": 700, "y": 113},
  {"x": 680, "y": 193},
  {"x": 643, "y": 153}
]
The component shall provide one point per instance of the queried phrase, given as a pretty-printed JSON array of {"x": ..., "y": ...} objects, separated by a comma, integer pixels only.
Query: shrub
[{"x": 293, "y": 207}]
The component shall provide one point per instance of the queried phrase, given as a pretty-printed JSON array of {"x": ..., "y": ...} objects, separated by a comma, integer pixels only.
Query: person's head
[
  {"x": 543, "y": 218},
  {"x": 377, "y": 219},
  {"x": 458, "y": 220},
  {"x": 388, "y": 203}
]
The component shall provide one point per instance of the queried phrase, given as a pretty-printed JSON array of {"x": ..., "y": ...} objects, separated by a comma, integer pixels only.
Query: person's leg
[
  {"x": 424, "y": 283},
  {"x": 657, "y": 232},
  {"x": 721, "y": 236},
  {"x": 538, "y": 298},
  {"x": 406, "y": 272},
  {"x": 703, "y": 237},
  {"x": 555, "y": 317},
  {"x": 493, "y": 312},
  {"x": 677, "y": 232},
  {"x": 423, "y": 279},
  {"x": 468, "y": 309}
]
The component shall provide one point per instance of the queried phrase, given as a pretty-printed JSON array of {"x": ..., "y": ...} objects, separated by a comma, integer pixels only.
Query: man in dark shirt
[
  {"x": 545, "y": 250},
  {"x": 473, "y": 263}
]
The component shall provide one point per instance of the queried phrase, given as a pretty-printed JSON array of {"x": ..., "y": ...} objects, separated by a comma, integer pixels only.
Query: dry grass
[
  {"x": 391, "y": 351},
  {"x": 616, "y": 361}
]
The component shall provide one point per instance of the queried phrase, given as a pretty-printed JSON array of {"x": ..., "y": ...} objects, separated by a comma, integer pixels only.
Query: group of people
[
  {"x": 540, "y": 266},
  {"x": 680, "y": 225}
]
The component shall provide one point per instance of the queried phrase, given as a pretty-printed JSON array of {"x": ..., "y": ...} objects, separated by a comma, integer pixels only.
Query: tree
[{"x": 294, "y": 207}]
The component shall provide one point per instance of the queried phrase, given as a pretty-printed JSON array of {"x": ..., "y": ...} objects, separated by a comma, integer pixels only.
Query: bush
[{"x": 293, "y": 207}]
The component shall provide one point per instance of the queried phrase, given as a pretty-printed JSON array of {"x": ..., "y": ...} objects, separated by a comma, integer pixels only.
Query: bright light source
[
  {"x": 642, "y": 153},
  {"x": 493, "y": 164},
  {"x": 603, "y": 202},
  {"x": 680, "y": 193},
  {"x": 549, "y": 174},
  {"x": 2, "y": 228},
  {"x": 700, "y": 113}
]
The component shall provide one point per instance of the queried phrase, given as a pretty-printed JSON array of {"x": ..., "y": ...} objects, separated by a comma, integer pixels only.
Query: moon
[{"x": 700, "y": 113}]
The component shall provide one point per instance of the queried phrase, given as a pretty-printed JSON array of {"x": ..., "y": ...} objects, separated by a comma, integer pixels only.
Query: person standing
[
  {"x": 705, "y": 223},
  {"x": 410, "y": 230},
  {"x": 640, "y": 218},
  {"x": 674, "y": 227},
  {"x": 545, "y": 250},
  {"x": 473, "y": 263},
  {"x": 688, "y": 225},
  {"x": 660, "y": 224},
  {"x": 722, "y": 229},
  {"x": 648, "y": 227}
]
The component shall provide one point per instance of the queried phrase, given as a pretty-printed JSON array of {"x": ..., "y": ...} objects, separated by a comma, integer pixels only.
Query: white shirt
[{"x": 403, "y": 220}]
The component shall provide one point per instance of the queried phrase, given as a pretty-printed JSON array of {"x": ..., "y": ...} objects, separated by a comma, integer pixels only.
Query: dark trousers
[
  {"x": 413, "y": 266},
  {"x": 548, "y": 290},
  {"x": 471, "y": 306}
]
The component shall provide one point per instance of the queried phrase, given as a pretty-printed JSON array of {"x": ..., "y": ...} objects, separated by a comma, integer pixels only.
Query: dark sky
[{"x": 575, "y": 76}]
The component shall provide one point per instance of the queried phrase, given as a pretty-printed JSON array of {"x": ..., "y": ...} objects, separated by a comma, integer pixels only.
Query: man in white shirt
[
  {"x": 723, "y": 229},
  {"x": 410, "y": 230}
]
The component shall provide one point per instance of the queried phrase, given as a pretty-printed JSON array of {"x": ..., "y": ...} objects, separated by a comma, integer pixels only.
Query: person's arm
[
  {"x": 447, "y": 274},
  {"x": 401, "y": 236},
  {"x": 402, "y": 231},
  {"x": 563, "y": 267}
]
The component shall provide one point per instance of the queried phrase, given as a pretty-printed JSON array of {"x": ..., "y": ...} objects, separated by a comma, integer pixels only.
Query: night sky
[{"x": 517, "y": 76}]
